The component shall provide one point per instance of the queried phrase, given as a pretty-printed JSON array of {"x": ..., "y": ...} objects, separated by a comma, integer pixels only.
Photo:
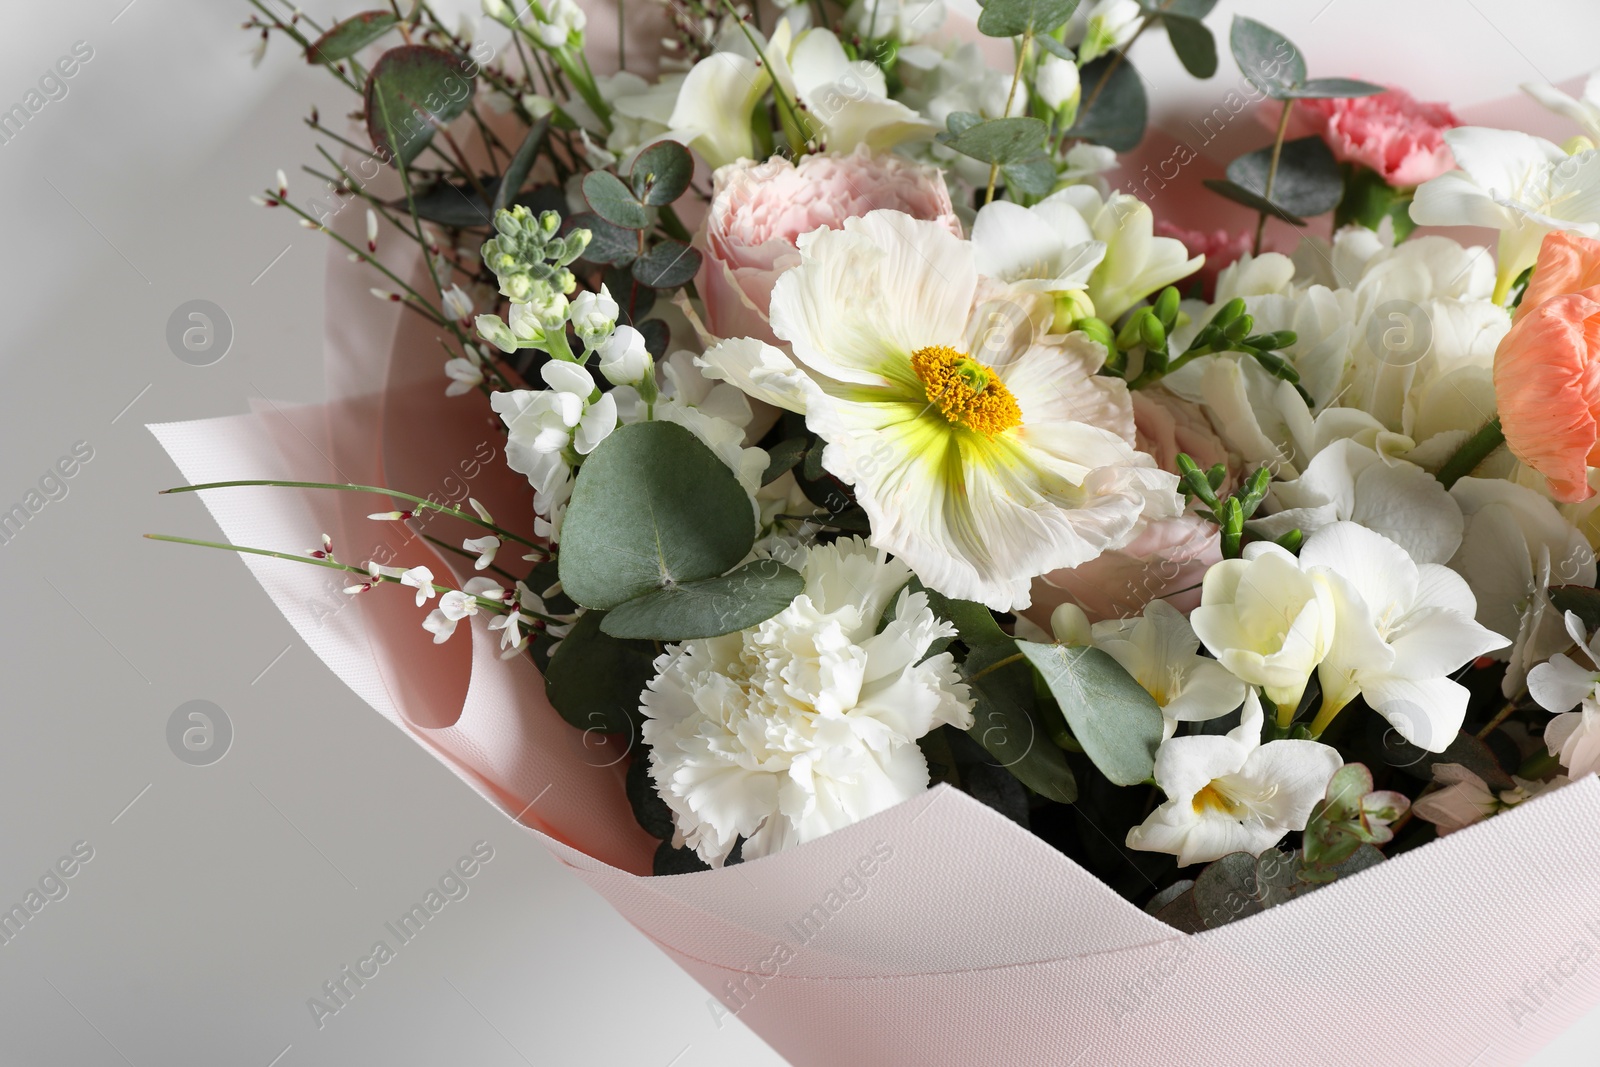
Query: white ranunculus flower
[
  {"x": 1515, "y": 547},
  {"x": 1161, "y": 652},
  {"x": 1401, "y": 629},
  {"x": 1347, "y": 481},
  {"x": 1231, "y": 793},
  {"x": 1516, "y": 183},
  {"x": 1136, "y": 263},
  {"x": 808, "y": 722},
  {"x": 985, "y": 450},
  {"x": 1266, "y": 621}
]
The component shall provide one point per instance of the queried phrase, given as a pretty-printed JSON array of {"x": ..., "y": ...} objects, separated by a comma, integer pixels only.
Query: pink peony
[
  {"x": 1221, "y": 249},
  {"x": 1392, "y": 133},
  {"x": 759, "y": 210}
]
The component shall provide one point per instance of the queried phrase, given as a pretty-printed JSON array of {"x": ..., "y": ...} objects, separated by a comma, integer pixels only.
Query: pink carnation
[
  {"x": 1221, "y": 249},
  {"x": 759, "y": 210},
  {"x": 1392, "y": 133}
]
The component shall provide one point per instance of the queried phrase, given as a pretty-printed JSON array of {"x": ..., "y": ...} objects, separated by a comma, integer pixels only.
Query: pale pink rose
[
  {"x": 759, "y": 210},
  {"x": 1165, "y": 425},
  {"x": 1393, "y": 133},
  {"x": 1166, "y": 560},
  {"x": 1220, "y": 247}
]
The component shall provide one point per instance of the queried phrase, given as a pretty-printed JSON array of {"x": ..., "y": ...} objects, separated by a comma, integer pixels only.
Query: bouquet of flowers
[{"x": 841, "y": 441}]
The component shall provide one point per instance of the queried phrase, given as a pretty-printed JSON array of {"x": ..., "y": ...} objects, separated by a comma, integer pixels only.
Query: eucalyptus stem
[
  {"x": 997, "y": 664},
  {"x": 1016, "y": 76},
  {"x": 421, "y": 502},
  {"x": 1272, "y": 168}
]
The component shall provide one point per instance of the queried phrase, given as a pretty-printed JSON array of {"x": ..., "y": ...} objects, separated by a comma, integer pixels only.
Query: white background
[{"x": 224, "y": 896}]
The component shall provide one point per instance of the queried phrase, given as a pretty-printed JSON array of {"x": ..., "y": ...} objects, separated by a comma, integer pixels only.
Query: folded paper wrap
[{"x": 938, "y": 932}]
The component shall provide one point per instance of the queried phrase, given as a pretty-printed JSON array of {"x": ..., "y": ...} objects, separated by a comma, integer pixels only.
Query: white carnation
[{"x": 808, "y": 722}]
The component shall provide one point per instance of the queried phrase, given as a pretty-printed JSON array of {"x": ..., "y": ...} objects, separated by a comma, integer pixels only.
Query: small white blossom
[
  {"x": 486, "y": 547},
  {"x": 464, "y": 375},
  {"x": 420, "y": 579},
  {"x": 624, "y": 360},
  {"x": 594, "y": 316},
  {"x": 458, "y": 303}
]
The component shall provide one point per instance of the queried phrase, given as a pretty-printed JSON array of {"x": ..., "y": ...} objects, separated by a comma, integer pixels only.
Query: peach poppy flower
[{"x": 1547, "y": 369}]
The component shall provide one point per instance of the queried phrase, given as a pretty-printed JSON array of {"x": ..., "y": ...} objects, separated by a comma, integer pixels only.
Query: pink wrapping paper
[{"x": 936, "y": 933}]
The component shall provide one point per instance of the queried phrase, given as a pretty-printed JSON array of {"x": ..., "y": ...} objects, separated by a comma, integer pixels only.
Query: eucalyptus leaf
[
  {"x": 1117, "y": 114},
  {"x": 1005, "y": 725},
  {"x": 1228, "y": 889},
  {"x": 614, "y": 201},
  {"x": 1055, "y": 47},
  {"x": 594, "y": 680},
  {"x": 974, "y": 623},
  {"x": 1188, "y": 9},
  {"x": 344, "y": 39},
  {"x": 1193, "y": 43},
  {"x": 608, "y": 244},
  {"x": 652, "y": 507},
  {"x": 1335, "y": 89},
  {"x": 1266, "y": 58},
  {"x": 1309, "y": 180},
  {"x": 656, "y": 334},
  {"x": 1013, "y": 140},
  {"x": 1255, "y": 201},
  {"x": 1581, "y": 601},
  {"x": 411, "y": 92},
  {"x": 782, "y": 457},
  {"x": 1113, "y": 717},
  {"x": 521, "y": 164},
  {"x": 962, "y": 121},
  {"x": 661, "y": 173},
  {"x": 735, "y": 601},
  {"x": 1032, "y": 177},
  {"x": 456, "y": 206},
  {"x": 669, "y": 861},
  {"x": 667, "y": 265},
  {"x": 1008, "y": 18}
]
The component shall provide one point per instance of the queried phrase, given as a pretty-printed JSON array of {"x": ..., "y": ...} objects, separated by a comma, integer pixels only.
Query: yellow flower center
[
  {"x": 966, "y": 392},
  {"x": 1216, "y": 800}
]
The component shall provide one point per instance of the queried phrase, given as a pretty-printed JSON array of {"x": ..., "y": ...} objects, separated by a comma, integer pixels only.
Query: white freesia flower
[
  {"x": 1047, "y": 247},
  {"x": 1347, "y": 481},
  {"x": 1136, "y": 262},
  {"x": 1585, "y": 110},
  {"x": 1266, "y": 620},
  {"x": 983, "y": 456},
  {"x": 715, "y": 105},
  {"x": 1515, "y": 547},
  {"x": 1161, "y": 652},
  {"x": 1231, "y": 793},
  {"x": 1562, "y": 685},
  {"x": 846, "y": 101},
  {"x": 558, "y": 22},
  {"x": 1400, "y": 630},
  {"x": 1516, "y": 183},
  {"x": 808, "y": 722}
]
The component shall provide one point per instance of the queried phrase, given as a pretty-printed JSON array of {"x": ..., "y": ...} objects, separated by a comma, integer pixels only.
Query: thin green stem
[
  {"x": 1272, "y": 168},
  {"x": 1023, "y": 47},
  {"x": 996, "y": 665},
  {"x": 1473, "y": 451},
  {"x": 421, "y": 502}
]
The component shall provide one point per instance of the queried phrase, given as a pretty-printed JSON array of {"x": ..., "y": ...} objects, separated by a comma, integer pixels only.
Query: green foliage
[
  {"x": 1253, "y": 200},
  {"x": 614, "y": 201},
  {"x": 995, "y": 141},
  {"x": 1113, "y": 717},
  {"x": 1192, "y": 41},
  {"x": 1581, "y": 601},
  {"x": 1115, "y": 110},
  {"x": 521, "y": 164},
  {"x": 411, "y": 92},
  {"x": 1009, "y": 18},
  {"x": 594, "y": 680},
  {"x": 652, "y": 507},
  {"x": 667, "y": 265},
  {"x": 1008, "y": 727},
  {"x": 1266, "y": 58},
  {"x": 734, "y": 601},
  {"x": 1368, "y": 200},
  {"x": 344, "y": 39},
  {"x": 660, "y": 174},
  {"x": 1309, "y": 181},
  {"x": 1350, "y": 816}
]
